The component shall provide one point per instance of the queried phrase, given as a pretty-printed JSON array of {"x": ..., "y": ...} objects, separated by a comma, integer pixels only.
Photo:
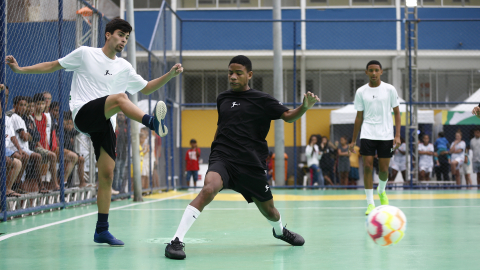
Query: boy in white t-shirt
[
  {"x": 457, "y": 151},
  {"x": 97, "y": 94},
  {"x": 374, "y": 102},
  {"x": 425, "y": 153}
]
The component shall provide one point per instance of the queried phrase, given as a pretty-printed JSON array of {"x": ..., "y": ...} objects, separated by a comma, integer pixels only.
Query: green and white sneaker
[
  {"x": 383, "y": 198},
  {"x": 370, "y": 209}
]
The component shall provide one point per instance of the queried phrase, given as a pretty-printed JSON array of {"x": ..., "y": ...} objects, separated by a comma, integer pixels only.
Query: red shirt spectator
[{"x": 192, "y": 159}]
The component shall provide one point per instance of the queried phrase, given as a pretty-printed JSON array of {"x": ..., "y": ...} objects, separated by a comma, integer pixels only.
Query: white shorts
[
  {"x": 427, "y": 169},
  {"x": 460, "y": 162},
  {"x": 467, "y": 169},
  {"x": 399, "y": 167}
]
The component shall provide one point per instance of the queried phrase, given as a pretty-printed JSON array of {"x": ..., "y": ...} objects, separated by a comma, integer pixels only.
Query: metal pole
[
  {"x": 3, "y": 50},
  {"x": 180, "y": 158},
  {"x": 172, "y": 138},
  {"x": 295, "y": 160},
  {"x": 278, "y": 93},
  {"x": 150, "y": 133},
  {"x": 131, "y": 53},
  {"x": 129, "y": 148},
  {"x": 61, "y": 100}
]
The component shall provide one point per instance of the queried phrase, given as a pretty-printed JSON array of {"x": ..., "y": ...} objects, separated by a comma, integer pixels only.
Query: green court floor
[{"x": 442, "y": 233}]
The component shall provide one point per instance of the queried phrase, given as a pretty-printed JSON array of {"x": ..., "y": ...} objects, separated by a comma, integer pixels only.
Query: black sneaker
[
  {"x": 175, "y": 250},
  {"x": 290, "y": 237}
]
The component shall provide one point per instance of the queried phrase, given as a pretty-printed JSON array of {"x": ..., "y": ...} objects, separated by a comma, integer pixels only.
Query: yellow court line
[{"x": 351, "y": 197}]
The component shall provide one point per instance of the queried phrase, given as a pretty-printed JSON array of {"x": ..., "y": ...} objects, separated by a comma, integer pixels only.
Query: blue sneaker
[
  {"x": 159, "y": 113},
  {"x": 108, "y": 238}
]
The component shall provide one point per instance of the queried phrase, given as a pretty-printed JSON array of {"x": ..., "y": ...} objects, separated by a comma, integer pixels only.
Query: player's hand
[
  {"x": 396, "y": 143},
  {"x": 12, "y": 63},
  {"x": 309, "y": 99},
  {"x": 176, "y": 70},
  {"x": 352, "y": 147},
  {"x": 476, "y": 111}
]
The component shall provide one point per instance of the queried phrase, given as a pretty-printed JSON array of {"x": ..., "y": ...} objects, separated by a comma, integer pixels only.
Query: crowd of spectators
[{"x": 32, "y": 148}]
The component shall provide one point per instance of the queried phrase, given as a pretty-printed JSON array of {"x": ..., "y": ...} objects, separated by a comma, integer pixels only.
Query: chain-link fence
[{"x": 48, "y": 164}]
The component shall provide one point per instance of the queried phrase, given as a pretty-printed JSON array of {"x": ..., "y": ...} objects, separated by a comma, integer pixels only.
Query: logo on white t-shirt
[{"x": 107, "y": 73}]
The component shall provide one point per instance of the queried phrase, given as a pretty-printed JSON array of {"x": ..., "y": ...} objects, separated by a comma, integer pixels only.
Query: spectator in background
[
  {"x": 313, "y": 156},
  {"x": 425, "y": 152},
  {"x": 24, "y": 152},
  {"x": 399, "y": 163},
  {"x": 457, "y": 151},
  {"x": 475, "y": 146},
  {"x": 121, "y": 151},
  {"x": 43, "y": 148},
  {"x": 354, "y": 165},
  {"x": 442, "y": 157},
  {"x": 48, "y": 101},
  {"x": 327, "y": 161},
  {"x": 54, "y": 113},
  {"x": 157, "y": 142},
  {"x": 144, "y": 150},
  {"x": 30, "y": 123},
  {"x": 70, "y": 133},
  {"x": 13, "y": 165},
  {"x": 30, "y": 106},
  {"x": 191, "y": 159},
  {"x": 343, "y": 161},
  {"x": 467, "y": 167}
]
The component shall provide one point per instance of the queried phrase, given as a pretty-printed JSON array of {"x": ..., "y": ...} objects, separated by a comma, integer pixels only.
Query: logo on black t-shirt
[
  {"x": 235, "y": 104},
  {"x": 266, "y": 188},
  {"x": 107, "y": 73}
]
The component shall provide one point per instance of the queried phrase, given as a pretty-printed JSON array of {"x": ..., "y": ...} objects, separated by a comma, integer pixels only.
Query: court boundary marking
[
  {"x": 5, "y": 237},
  {"x": 306, "y": 208}
]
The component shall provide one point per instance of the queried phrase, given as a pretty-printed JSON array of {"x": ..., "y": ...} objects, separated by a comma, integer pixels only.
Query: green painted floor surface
[{"x": 441, "y": 234}]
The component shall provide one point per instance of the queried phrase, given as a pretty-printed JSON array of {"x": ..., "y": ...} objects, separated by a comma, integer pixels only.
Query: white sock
[
  {"x": 189, "y": 216},
  {"x": 369, "y": 193},
  {"x": 381, "y": 186},
  {"x": 277, "y": 226}
]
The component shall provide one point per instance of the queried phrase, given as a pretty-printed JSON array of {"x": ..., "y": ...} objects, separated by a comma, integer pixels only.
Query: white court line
[
  {"x": 302, "y": 208},
  {"x": 85, "y": 215}
]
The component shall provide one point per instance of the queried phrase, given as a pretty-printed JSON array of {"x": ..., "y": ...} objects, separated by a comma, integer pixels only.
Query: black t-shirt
[
  {"x": 243, "y": 123},
  {"x": 32, "y": 130}
]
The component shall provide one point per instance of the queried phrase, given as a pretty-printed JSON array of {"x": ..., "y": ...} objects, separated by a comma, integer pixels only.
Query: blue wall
[{"x": 320, "y": 36}]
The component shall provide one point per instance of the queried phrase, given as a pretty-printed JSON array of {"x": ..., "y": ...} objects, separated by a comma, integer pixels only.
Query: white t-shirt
[
  {"x": 18, "y": 125},
  {"x": 376, "y": 104},
  {"x": 461, "y": 155},
  {"x": 312, "y": 159},
  {"x": 475, "y": 146},
  {"x": 398, "y": 157},
  {"x": 95, "y": 76},
  {"x": 9, "y": 133},
  {"x": 426, "y": 160}
]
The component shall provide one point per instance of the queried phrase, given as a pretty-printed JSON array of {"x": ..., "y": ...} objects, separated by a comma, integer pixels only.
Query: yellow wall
[{"x": 202, "y": 124}]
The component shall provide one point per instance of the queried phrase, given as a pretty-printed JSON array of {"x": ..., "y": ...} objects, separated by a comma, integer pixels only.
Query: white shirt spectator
[
  {"x": 398, "y": 157},
  {"x": 9, "y": 133},
  {"x": 475, "y": 146},
  {"x": 312, "y": 159},
  {"x": 426, "y": 161},
  {"x": 459, "y": 156},
  {"x": 376, "y": 104},
  {"x": 18, "y": 125}
]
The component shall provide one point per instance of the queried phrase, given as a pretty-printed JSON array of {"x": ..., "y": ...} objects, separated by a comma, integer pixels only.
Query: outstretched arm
[
  {"x": 291, "y": 116},
  {"x": 356, "y": 129},
  {"x": 153, "y": 85},
  {"x": 45, "y": 67}
]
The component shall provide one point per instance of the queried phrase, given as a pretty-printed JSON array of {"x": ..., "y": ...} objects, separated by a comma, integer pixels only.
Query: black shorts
[
  {"x": 91, "y": 119},
  {"x": 384, "y": 149},
  {"x": 249, "y": 181}
]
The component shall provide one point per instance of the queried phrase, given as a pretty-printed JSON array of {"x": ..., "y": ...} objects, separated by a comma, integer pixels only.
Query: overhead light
[{"x": 411, "y": 3}]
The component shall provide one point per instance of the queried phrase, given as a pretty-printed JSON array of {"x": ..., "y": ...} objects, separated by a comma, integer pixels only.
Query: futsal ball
[{"x": 386, "y": 225}]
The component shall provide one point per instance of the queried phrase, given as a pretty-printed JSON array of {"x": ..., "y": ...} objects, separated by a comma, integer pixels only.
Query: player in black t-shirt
[{"x": 239, "y": 152}]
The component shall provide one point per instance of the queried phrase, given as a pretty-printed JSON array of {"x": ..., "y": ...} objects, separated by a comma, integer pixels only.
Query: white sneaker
[
  {"x": 159, "y": 113},
  {"x": 114, "y": 192}
]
